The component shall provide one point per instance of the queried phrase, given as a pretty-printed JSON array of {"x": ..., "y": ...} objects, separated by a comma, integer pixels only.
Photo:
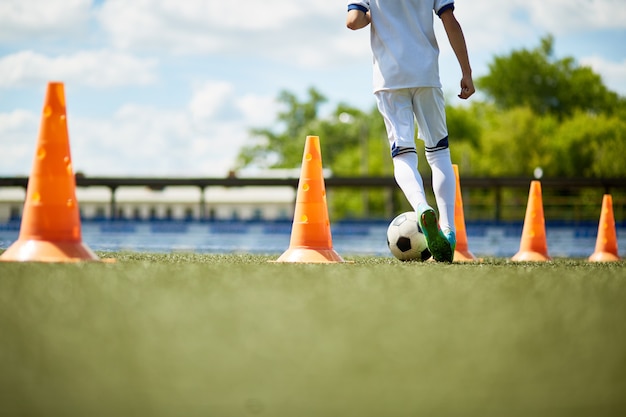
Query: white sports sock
[
  {"x": 408, "y": 178},
  {"x": 444, "y": 186}
]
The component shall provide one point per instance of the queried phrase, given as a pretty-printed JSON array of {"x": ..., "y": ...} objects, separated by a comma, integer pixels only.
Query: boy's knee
[
  {"x": 441, "y": 145},
  {"x": 401, "y": 150}
]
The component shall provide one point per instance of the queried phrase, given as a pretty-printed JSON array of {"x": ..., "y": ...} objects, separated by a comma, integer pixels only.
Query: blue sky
[{"x": 171, "y": 87}]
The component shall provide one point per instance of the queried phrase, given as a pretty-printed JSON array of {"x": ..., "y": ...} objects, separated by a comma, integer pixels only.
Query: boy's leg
[
  {"x": 444, "y": 186},
  {"x": 397, "y": 110},
  {"x": 429, "y": 109}
]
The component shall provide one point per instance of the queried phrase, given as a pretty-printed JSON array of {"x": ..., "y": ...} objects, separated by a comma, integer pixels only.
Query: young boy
[{"x": 407, "y": 88}]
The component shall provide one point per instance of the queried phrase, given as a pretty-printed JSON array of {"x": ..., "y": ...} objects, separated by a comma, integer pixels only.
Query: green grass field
[{"x": 236, "y": 335}]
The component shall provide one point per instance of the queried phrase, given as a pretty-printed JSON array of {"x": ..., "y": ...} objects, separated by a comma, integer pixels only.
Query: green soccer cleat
[
  {"x": 451, "y": 236},
  {"x": 439, "y": 245}
]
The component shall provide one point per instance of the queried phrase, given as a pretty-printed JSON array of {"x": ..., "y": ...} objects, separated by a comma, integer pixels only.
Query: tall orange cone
[
  {"x": 311, "y": 240},
  {"x": 533, "y": 245},
  {"x": 50, "y": 230},
  {"x": 462, "y": 252},
  {"x": 606, "y": 243}
]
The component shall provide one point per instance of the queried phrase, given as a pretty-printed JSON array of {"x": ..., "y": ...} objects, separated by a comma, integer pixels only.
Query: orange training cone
[
  {"x": 606, "y": 243},
  {"x": 311, "y": 240},
  {"x": 462, "y": 252},
  {"x": 50, "y": 230},
  {"x": 533, "y": 245}
]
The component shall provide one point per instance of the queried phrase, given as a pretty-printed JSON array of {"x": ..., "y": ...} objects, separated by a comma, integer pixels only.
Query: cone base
[
  {"x": 48, "y": 251},
  {"x": 464, "y": 256},
  {"x": 604, "y": 257},
  {"x": 310, "y": 255},
  {"x": 530, "y": 256}
]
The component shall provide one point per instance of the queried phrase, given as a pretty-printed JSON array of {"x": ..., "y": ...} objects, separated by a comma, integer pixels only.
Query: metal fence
[{"x": 484, "y": 199}]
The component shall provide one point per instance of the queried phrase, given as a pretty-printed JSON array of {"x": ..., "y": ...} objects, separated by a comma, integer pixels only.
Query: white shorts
[{"x": 402, "y": 107}]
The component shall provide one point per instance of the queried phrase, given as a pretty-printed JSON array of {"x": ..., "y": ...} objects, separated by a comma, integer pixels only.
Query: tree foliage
[
  {"x": 540, "y": 112},
  {"x": 351, "y": 142},
  {"x": 535, "y": 78},
  {"x": 282, "y": 149}
]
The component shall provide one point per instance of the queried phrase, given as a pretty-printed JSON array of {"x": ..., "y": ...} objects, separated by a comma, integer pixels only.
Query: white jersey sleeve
[{"x": 363, "y": 5}]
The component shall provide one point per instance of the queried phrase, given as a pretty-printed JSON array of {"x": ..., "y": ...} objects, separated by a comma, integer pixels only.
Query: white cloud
[
  {"x": 292, "y": 32},
  {"x": 135, "y": 140},
  {"x": 92, "y": 68},
  {"x": 487, "y": 26},
  {"x": 564, "y": 16},
  {"x": 37, "y": 18},
  {"x": 18, "y": 136},
  {"x": 193, "y": 25},
  {"x": 494, "y": 27},
  {"x": 15, "y": 121},
  {"x": 209, "y": 98},
  {"x": 194, "y": 140},
  {"x": 140, "y": 140},
  {"x": 258, "y": 111},
  {"x": 308, "y": 33}
]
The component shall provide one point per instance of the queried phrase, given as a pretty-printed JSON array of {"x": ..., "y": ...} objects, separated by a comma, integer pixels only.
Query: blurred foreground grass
[{"x": 231, "y": 335}]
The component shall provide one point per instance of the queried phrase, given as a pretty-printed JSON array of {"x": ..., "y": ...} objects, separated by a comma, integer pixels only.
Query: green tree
[
  {"x": 283, "y": 149},
  {"x": 588, "y": 145},
  {"x": 351, "y": 139},
  {"x": 513, "y": 142},
  {"x": 541, "y": 112},
  {"x": 535, "y": 78},
  {"x": 465, "y": 131},
  {"x": 353, "y": 143}
]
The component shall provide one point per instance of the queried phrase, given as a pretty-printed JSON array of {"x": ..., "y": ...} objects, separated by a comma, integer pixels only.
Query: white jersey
[{"x": 406, "y": 54}]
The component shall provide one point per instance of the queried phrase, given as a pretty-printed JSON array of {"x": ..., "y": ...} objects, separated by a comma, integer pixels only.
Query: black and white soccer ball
[{"x": 406, "y": 240}]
